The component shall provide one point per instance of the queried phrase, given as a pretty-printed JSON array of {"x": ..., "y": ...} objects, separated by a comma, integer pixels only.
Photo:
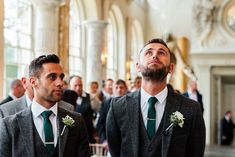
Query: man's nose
[
  {"x": 59, "y": 82},
  {"x": 155, "y": 55}
]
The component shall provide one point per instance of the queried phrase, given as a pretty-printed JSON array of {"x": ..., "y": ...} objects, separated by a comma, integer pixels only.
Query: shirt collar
[
  {"x": 160, "y": 96},
  {"x": 37, "y": 109},
  {"x": 28, "y": 101},
  {"x": 191, "y": 92},
  {"x": 83, "y": 94},
  {"x": 13, "y": 96}
]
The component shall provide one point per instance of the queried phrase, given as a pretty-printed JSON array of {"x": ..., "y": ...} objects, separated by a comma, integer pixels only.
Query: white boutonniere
[
  {"x": 68, "y": 121},
  {"x": 176, "y": 119}
]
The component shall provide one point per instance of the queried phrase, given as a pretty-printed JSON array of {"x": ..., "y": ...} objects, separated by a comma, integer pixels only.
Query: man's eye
[
  {"x": 53, "y": 77},
  {"x": 148, "y": 52},
  {"x": 162, "y": 52},
  {"x": 62, "y": 76}
]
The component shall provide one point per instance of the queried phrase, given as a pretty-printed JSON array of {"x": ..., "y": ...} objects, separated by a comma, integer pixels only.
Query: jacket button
[{"x": 150, "y": 149}]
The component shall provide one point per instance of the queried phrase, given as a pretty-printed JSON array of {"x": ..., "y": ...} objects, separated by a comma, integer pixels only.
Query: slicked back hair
[{"x": 35, "y": 66}]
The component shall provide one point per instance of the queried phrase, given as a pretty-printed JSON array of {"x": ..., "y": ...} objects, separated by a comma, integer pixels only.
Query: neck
[
  {"x": 44, "y": 103},
  {"x": 153, "y": 87}
]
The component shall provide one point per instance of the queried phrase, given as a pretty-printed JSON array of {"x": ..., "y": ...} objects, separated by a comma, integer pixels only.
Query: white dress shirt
[
  {"x": 28, "y": 101},
  {"x": 159, "y": 106},
  {"x": 79, "y": 99},
  {"x": 192, "y": 95},
  {"x": 37, "y": 110},
  {"x": 13, "y": 96}
]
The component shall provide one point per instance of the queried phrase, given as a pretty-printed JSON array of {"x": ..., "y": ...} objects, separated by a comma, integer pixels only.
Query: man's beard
[{"x": 155, "y": 74}]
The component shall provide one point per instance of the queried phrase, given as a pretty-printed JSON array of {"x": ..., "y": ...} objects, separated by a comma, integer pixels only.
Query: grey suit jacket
[
  {"x": 17, "y": 139},
  {"x": 123, "y": 127},
  {"x": 15, "y": 106}
]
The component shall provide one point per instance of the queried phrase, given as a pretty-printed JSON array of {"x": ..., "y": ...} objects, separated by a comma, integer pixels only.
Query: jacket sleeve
[
  {"x": 196, "y": 141},
  {"x": 113, "y": 133},
  {"x": 5, "y": 141},
  {"x": 83, "y": 149}
]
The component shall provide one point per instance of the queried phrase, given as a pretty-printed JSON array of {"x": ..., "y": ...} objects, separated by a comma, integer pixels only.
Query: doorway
[{"x": 223, "y": 98}]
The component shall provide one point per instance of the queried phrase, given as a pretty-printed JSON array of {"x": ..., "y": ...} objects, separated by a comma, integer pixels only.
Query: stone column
[
  {"x": 95, "y": 42},
  {"x": 183, "y": 45},
  {"x": 46, "y": 26}
]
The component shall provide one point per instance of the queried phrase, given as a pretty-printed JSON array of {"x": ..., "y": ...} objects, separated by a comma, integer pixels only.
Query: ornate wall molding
[{"x": 206, "y": 22}]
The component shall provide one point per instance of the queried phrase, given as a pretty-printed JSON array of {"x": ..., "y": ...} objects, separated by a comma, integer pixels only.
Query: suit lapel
[
  {"x": 25, "y": 123},
  {"x": 133, "y": 111},
  {"x": 172, "y": 105},
  {"x": 63, "y": 133}
]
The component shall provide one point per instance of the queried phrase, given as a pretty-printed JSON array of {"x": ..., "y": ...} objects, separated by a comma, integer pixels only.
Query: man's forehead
[
  {"x": 120, "y": 85},
  {"x": 155, "y": 45},
  {"x": 52, "y": 68}
]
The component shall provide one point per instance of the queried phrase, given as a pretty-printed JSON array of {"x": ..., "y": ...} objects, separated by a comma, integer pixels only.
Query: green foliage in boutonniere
[{"x": 68, "y": 121}]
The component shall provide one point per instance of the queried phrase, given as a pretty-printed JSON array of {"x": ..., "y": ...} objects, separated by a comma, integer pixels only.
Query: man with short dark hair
[
  {"x": 120, "y": 89},
  {"x": 107, "y": 90},
  {"x": 45, "y": 129},
  {"x": 155, "y": 121},
  {"x": 227, "y": 129},
  {"x": 12, "y": 107}
]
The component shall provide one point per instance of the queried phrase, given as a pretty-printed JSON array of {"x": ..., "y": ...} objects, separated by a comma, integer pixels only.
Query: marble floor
[{"x": 219, "y": 151}]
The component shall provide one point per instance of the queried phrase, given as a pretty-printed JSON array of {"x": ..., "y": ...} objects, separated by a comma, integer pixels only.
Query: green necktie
[
  {"x": 49, "y": 138},
  {"x": 151, "y": 118}
]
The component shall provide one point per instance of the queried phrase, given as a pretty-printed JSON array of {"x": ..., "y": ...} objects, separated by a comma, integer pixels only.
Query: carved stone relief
[
  {"x": 229, "y": 17},
  {"x": 206, "y": 22}
]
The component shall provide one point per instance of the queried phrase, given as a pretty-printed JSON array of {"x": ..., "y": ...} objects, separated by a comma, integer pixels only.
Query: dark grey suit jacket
[
  {"x": 123, "y": 132},
  {"x": 7, "y": 99},
  {"x": 17, "y": 139},
  {"x": 15, "y": 106}
]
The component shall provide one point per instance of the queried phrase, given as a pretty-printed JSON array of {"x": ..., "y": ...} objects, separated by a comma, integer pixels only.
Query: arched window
[
  {"x": 111, "y": 48},
  {"x": 136, "y": 45},
  {"x": 18, "y": 34},
  {"x": 76, "y": 57},
  {"x": 116, "y": 45}
]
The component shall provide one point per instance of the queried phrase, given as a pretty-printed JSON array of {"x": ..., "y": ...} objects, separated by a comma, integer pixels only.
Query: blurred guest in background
[
  {"x": 120, "y": 89},
  {"x": 136, "y": 84},
  {"x": 227, "y": 128},
  {"x": 83, "y": 104},
  {"x": 194, "y": 94},
  {"x": 16, "y": 91}
]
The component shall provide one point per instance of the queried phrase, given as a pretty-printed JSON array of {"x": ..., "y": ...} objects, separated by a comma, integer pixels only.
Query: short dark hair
[
  {"x": 120, "y": 81},
  {"x": 156, "y": 40},
  {"x": 105, "y": 81},
  {"x": 94, "y": 82},
  {"x": 36, "y": 64},
  {"x": 228, "y": 112}
]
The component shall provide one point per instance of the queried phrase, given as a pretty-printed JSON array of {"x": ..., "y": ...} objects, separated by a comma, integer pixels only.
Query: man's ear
[
  {"x": 23, "y": 80},
  {"x": 137, "y": 66},
  {"x": 33, "y": 81},
  {"x": 172, "y": 68}
]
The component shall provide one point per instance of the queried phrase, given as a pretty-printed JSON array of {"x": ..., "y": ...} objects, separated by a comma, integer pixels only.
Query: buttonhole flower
[
  {"x": 176, "y": 118},
  {"x": 68, "y": 121}
]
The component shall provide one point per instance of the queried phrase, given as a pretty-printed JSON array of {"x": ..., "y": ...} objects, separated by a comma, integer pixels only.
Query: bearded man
[{"x": 155, "y": 121}]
